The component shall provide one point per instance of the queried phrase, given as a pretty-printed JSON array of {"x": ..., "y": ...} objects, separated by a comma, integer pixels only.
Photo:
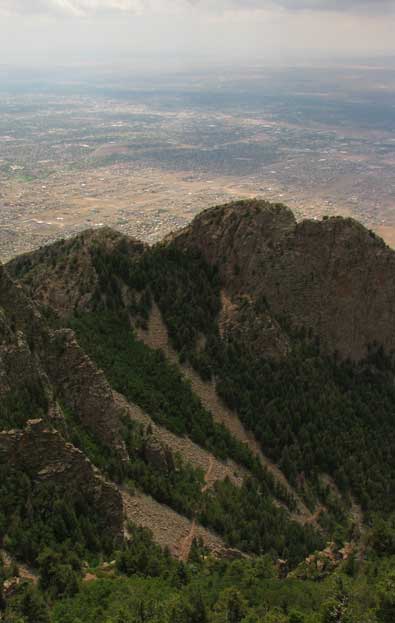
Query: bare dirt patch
[
  {"x": 169, "y": 529},
  {"x": 156, "y": 337},
  {"x": 189, "y": 451}
]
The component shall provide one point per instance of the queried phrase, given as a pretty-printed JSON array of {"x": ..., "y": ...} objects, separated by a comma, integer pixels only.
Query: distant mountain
[{"x": 231, "y": 389}]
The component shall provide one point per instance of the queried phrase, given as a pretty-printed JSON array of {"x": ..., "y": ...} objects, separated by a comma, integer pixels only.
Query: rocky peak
[
  {"x": 235, "y": 236},
  {"x": 333, "y": 276}
]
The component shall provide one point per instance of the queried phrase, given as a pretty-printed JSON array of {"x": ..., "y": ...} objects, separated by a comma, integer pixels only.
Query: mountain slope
[
  {"x": 88, "y": 410},
  {"x": 242, "y": 286},
  {"x": 277, "y": 326},
  {"x": 230, "y": 390},
  {"x": 156, "y": 336},
  {"x": 333, "y": 276}
]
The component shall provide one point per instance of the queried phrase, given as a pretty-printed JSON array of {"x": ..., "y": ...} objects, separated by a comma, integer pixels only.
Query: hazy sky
[{"x": 81, "y": 31}]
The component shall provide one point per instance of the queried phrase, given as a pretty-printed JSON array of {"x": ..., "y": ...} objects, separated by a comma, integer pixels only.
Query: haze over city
[
  {"x": 138, "y": 114},
  {"x": 70, "y": 31}
]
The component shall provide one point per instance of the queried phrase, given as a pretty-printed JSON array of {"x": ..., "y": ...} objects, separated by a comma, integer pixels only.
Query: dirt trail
[
  {"x": 208, "y": 477},
  {"x": 169, "y": 529},
  {"x": 186, "y": 543},
  {"x": 156, "y": 337},
  {"x": 188, "y": 450}
]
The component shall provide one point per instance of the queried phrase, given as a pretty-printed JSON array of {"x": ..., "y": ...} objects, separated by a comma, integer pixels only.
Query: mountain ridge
[
  {"x": 312, "y": 272},
  {"x": 262, "y": 252},
  {"x": 227, "y": 387}
]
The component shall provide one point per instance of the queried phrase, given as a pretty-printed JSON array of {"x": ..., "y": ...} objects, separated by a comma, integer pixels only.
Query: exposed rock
[
  {"x": 46, "y": 456},
  {"x": 156, "y": 336},
  {"x": 171, "y": 530},
  {"x": 332, "y": 276},
  {"x": 31, "y": 352},
  {"x": 320, "y": 564},
  {"x": 62, "y": 277},
  {"x": 11, "y": 586},
  {"x": 189, "y": 451},
  {"x": 157, "y": 454},
  {"x": 18, "y": 324},
  {"x": 84, "y": 389},
  {"x": 24, "y": 572},
  {"x": 252, "y": 324}
]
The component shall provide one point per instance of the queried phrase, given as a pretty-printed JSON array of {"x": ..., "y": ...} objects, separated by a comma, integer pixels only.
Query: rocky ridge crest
[{"x": 332, "y": 277}]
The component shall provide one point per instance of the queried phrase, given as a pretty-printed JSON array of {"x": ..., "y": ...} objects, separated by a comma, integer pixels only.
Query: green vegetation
[
  {"x": 248, "y": 520},
  {"x": 185, "y": 287},
  {"x": 146, "y": 586},
  {"x": 176, "y": 484},
  {"x": 36, "y": 515},
  {"x": 25, "y": 403},
  {"x": 232, "y": 592},
  {"x": 320, "y": 414},
  {"x": 245, "y": 517},
  {"x": 26, "y": 606},
  {"x": 51, "y": 529},
  {"x": 147, "y": 379}
]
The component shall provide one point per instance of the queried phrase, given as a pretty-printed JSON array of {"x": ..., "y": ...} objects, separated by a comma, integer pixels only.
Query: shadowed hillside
[{"x": 225, "y": 395}]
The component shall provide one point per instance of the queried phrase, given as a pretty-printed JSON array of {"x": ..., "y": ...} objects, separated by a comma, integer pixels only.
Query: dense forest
[
  {"x": 142, "y": 584},
  {"x": 20, "y": 404},
  {"x": 246, "y": 517},
  {"x": 312, "y": 412}
]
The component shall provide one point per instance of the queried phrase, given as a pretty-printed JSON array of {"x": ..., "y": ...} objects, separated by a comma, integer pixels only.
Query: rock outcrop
[
  {"x": 333, "y": 277},
  {"x": 157, "y": 454},
  {"x": 32, "y": 353},
  {"x": 41, "y": 451},
  {"x": 84, "y": 389},
  {"x": 62, "y": 277}
]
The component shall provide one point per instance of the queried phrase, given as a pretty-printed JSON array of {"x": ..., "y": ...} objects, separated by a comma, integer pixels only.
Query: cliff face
[
  {"x": 84, "y": 389},
  {"x": 40, "y": 451},
  {"x": 20, "y": 341},
  {"x": 32, "y": 354},
  {"x": 333, "y": 277},
  {"x": 41, "y": 370},
  {"x": 63, "y": 278}
]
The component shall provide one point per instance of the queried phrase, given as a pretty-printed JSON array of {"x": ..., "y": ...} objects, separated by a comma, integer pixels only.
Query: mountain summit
[{"x": 332, "y": 277}]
